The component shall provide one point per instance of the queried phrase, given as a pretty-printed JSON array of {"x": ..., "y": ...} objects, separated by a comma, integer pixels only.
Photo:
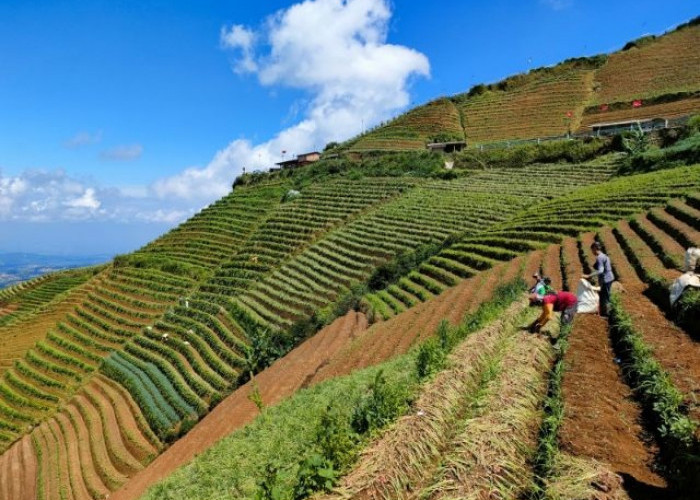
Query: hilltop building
[
  {"x": 612, "y": 128},
  {"x": 300, "y": 160},
  {"x": 447, "y": 147}
]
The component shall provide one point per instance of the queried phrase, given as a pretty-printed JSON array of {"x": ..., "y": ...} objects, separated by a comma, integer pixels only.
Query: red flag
[
  {"x": 604, "y": 107},
  {"x": 569, "y": 114},
  {"x": 637, "y": 103}
]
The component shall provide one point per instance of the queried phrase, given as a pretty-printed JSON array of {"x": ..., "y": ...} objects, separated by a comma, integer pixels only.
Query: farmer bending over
[
  {"x": 603, "y": 269},
  {"x": 563, "y": 302}
]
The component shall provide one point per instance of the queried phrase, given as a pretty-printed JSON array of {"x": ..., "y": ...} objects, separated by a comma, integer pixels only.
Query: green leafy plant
[
  {"x": 315, "y": 474},
  {"x": 379, "y": 407}
]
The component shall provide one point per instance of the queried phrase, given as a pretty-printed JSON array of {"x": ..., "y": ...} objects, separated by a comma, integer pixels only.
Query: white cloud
[
  {"x": 123, "y": 153},
  {"x": 83, "y": 139},
  {"x": 41, "y": 196},
  {"x": 240, "y": 37},
  {"x": 336, "y": 50},
  {"x": 86, "y": 200}
]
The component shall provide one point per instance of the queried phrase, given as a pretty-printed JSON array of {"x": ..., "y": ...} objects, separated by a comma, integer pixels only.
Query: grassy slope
[{"x": 536, "y": 104}]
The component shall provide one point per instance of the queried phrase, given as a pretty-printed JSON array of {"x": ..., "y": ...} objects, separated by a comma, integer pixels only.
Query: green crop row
[
  {"x": 199, "y": 363},
  {"x": 178, "y": 394},
  {"x": 161, "y": 417}
]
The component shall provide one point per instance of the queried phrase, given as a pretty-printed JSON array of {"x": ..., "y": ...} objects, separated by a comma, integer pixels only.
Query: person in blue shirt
[{"x": 602, "y": 269}]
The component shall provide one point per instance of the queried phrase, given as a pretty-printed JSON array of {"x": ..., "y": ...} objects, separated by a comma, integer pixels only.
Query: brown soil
[
  {"x": 29, "y": 467},
  {"x": 691, "y": 233},
  {"x": 552, "y": 267},
  {"x": 645, "y": 254},
  {"x": 119, "y": 453},
  {"x": 7, "y": 309},
  {"x": 574, "y": 269},
  {"x": 282, "y": 379},
  {"x": 677, "y": 353},
  {"x": 399, "y": 333},
  {"x": 533, "y": 263},
  {"x": 125, "y": 409},
  {"x": 73, "y": 455},
  {"x": 625, "y": 273},
  {"x": 671, "y": 246},
  {"x": 90, "y": 475},
  {"x": 601, "y": 419}
]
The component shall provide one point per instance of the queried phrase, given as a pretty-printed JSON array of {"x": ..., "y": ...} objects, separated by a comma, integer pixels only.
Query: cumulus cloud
[
  {"x": 241, "y": 38},
  {"x": 42, "y": 196},
  {"x": 37, "y": 195},
  {"x": 123, "y": 153},
  {"x": 83, "y": 139},
  {"x": 335, "y": 50}
]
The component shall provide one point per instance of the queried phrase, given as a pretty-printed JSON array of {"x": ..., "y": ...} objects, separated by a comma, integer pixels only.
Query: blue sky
[{"x": 120, "y": 118}]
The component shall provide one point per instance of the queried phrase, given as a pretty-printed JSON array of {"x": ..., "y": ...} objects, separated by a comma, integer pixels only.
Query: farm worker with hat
[
  {"x": 563, "y": 302},
  {"x": 602, "y": 269}
]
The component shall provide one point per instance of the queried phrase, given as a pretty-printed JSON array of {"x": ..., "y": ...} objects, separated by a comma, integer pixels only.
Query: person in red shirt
[{"x": 563, "y": 302}]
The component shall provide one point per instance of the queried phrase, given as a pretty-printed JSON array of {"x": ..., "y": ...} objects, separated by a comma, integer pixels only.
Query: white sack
[
  {"x": 587, "y": 296},
  {"x": 680, "y": 284},
  {"x": 692, "y": 255}
]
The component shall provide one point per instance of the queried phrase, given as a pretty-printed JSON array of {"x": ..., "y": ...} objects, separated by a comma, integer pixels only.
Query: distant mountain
[{"x": 15, "y": 267}]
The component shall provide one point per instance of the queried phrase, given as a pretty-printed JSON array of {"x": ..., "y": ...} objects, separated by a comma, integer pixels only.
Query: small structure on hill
[
  {"x": 300, "y": 160},
  {"x": 447, "y": 147},
  {"x": 612, "y": 128}
]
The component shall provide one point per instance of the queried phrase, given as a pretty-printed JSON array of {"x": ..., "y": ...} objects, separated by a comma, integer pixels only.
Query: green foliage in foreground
[
  {"x": 548, "y": 442},
  {"x": 304, "y": 444}
]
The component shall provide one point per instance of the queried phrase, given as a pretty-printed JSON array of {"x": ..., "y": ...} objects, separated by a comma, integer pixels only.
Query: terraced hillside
[
  {"x": 170, "y": 347},
  {"x": 662, "y": 72},
  {"x": 460, "y": 438},
  {"x": 437, "y": 121},
  {"x": 28, "y": 297},
  {"x": 111, "y": 377}
]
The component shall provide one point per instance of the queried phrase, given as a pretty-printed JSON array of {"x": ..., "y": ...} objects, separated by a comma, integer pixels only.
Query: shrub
[
  {"x": 433, "y": 352},
  {"x": 335, "y": 439},
  {"x": 380, "y": 406},
  {"x": 683, "y": 152},
  {"x": 405, "y": 262},
  {"x": 316, "y": 473},
  {"x": 572, "y": 151},
  {"x": 688, "y": 310}
]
